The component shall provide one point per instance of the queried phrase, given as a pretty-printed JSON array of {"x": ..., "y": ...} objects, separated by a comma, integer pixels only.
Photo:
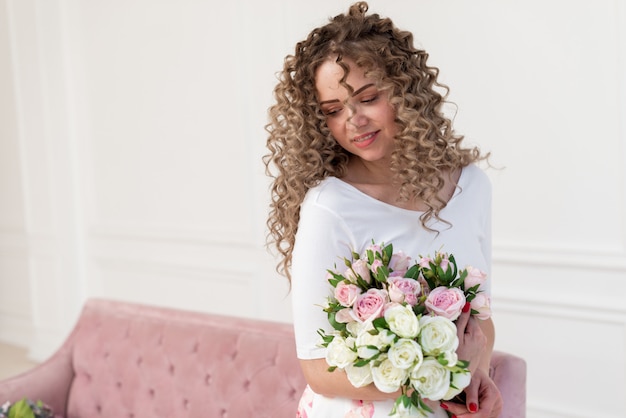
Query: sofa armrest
[
  {"x": 49, "y": 382},
  {"x": 509, "y": 374}
]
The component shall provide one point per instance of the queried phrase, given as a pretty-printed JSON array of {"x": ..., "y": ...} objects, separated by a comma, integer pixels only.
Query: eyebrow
[{"x": 353, "y": 94}]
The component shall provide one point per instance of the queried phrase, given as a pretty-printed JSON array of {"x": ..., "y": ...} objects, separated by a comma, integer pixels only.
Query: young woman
[{"x": 360, "y": 150}]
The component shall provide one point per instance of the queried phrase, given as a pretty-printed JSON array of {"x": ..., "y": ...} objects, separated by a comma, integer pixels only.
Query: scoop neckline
[{"x": 458, "y": 189}]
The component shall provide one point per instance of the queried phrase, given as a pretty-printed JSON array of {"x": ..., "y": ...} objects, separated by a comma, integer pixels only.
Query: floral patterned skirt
[{"x": 313, "y": 405}]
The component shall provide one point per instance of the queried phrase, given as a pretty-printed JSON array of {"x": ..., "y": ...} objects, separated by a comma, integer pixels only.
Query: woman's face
[{"x": 361, "y": 122}]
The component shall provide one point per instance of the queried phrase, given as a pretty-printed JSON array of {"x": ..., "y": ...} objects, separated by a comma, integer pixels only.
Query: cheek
[
  {"x": 334, "y": 126},
  {"x": 337, "y": 130}
]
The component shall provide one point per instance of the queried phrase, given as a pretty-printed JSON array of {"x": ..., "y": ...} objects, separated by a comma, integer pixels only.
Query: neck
[{"x": 362, "y": 171}]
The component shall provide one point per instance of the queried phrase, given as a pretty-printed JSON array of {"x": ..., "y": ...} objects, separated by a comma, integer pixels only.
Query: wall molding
[
  {"x": 171, "y": 235},
  {"x": 237, "y": 274},
  {"x": 563, "y": 310},
  {"x": 539, "y": 254},
  {"x": 540, "y": 410}
]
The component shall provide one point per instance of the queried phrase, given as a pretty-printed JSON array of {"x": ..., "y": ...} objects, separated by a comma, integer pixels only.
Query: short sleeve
[{"x": 322, "y": 241}]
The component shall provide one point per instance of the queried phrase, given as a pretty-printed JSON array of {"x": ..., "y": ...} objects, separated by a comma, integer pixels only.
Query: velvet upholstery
[{"x": 126, "y": 360}]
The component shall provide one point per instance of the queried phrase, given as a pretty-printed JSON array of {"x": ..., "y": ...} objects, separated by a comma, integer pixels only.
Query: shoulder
[
  {"x": 474, "y": 180},
  {"x": 331, "y": 193}
]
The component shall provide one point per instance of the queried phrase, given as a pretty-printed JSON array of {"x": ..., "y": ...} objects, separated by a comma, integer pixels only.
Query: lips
[{"x": 364, "y": 140}]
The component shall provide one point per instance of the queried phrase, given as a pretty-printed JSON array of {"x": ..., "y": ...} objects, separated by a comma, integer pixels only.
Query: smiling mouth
[{"x": 365, "y": 137}]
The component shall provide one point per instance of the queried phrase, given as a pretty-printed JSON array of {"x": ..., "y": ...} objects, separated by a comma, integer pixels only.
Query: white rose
[
  {"x": 451, "y": 357},
  {"x": 402, "y": 320},
  {"x": 359, "y": 376},
  {"x": 387, "y": 377},
  {"x": 405, "y": 354},
  {"x": 368, "y": 345},
  {"x": 403, "y": 411},
  {"x": 437, "y": 335},
  {"x": 431, "y": 379},
  {"x": 459, "y": 382},
  {"x": 357, "y": 328},
  {"x": 339, "y": 353}
]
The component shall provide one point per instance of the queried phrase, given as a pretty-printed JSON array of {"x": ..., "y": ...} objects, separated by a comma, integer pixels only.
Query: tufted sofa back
[
  {"x": 125, "y": 360},
  {"x": 135, "y": 361}
]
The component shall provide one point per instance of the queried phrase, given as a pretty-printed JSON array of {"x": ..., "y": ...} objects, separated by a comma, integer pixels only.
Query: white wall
[{"x": 131, "y": 134}]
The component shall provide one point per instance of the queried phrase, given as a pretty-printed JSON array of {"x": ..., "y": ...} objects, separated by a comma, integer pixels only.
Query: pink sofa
[{"x": 125, "y": 360}]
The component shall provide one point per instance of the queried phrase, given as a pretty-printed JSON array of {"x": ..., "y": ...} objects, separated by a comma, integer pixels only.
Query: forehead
[{"x": 329, "y": 75}]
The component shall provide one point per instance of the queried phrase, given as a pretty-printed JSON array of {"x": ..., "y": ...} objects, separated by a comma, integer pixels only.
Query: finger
[
  {"x": 489, "y": 399},
  {"x": 454, "y": 408},
  {"x": 471, "y": 395},
  {"x": 461, "y": 323}
]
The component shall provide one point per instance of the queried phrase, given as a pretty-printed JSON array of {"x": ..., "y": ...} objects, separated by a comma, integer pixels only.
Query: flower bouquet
[
  {"x": 393, "y": 326},
  {"x": 25, "y": 408}
]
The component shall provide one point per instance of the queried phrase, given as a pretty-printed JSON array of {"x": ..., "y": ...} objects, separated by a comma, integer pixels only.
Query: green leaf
[
  {"x": 413, "y": 272},
  {"x": 380, "y": 323},
  {"x": 337, "y": 278},
  {"x": 382, "y": 273},
  {"x": 362, "y": 283},
  {"x": 21, "y": 409},
  {"x": 423, "y": 406},
  {"x": 339, "y": 326},
  {"x": 441, "y": 358},
  {"x": 387, "y": 253},
  {"x": 419, "y": 309}
]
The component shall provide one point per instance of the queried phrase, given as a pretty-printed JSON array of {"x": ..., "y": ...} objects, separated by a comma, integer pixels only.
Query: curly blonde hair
[{"x": 303, "y": 152}]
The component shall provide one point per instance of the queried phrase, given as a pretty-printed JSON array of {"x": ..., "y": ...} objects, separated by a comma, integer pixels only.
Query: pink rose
[
  {"x": 445, "y": 262},
  {"x": 375, "y": 265},
  {"x": 359, "y": 267},
  {"x": 446, "y": 302},
  {"x": 482, "y": 304},
  {"x": 474, "y": 277},
  {"x": 344, "y": 316},
  {"x": 403, "y": 289},
  {"x": 424, "y": 285},
  {"x": 346, "y": 293},
  {"x": 375, "y": 248},
  {"x": 399, "y": 263},
  {"x": 425, "y": 262},
  {"x": 369, "y": 305}
]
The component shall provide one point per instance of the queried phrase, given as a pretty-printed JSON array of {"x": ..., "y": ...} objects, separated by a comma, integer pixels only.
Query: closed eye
[
  {"x": 370, "y": 99},
  {"x": 332, "y": 112}
]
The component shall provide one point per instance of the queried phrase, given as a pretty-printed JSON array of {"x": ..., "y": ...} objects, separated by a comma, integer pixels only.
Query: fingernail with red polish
[
  {"x": 473, "y": 407},
  {"x": 466, "y": 308},
  {"x": 444, "y": 406}
]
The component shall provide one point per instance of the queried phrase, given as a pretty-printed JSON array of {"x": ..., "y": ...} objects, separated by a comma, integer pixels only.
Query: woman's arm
[{"x": 336, "y": 383}]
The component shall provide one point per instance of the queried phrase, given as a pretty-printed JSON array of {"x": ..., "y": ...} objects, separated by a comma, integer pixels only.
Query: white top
[{"x": 337, "y": 218}]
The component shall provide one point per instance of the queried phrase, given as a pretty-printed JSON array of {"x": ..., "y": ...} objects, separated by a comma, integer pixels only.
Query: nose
[{"x": 356, "y": 117}]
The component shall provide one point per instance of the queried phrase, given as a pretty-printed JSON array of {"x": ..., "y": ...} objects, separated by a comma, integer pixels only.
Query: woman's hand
[
  {"x": 482, "y": 399},
  {"x": 472, "y": 340}
]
